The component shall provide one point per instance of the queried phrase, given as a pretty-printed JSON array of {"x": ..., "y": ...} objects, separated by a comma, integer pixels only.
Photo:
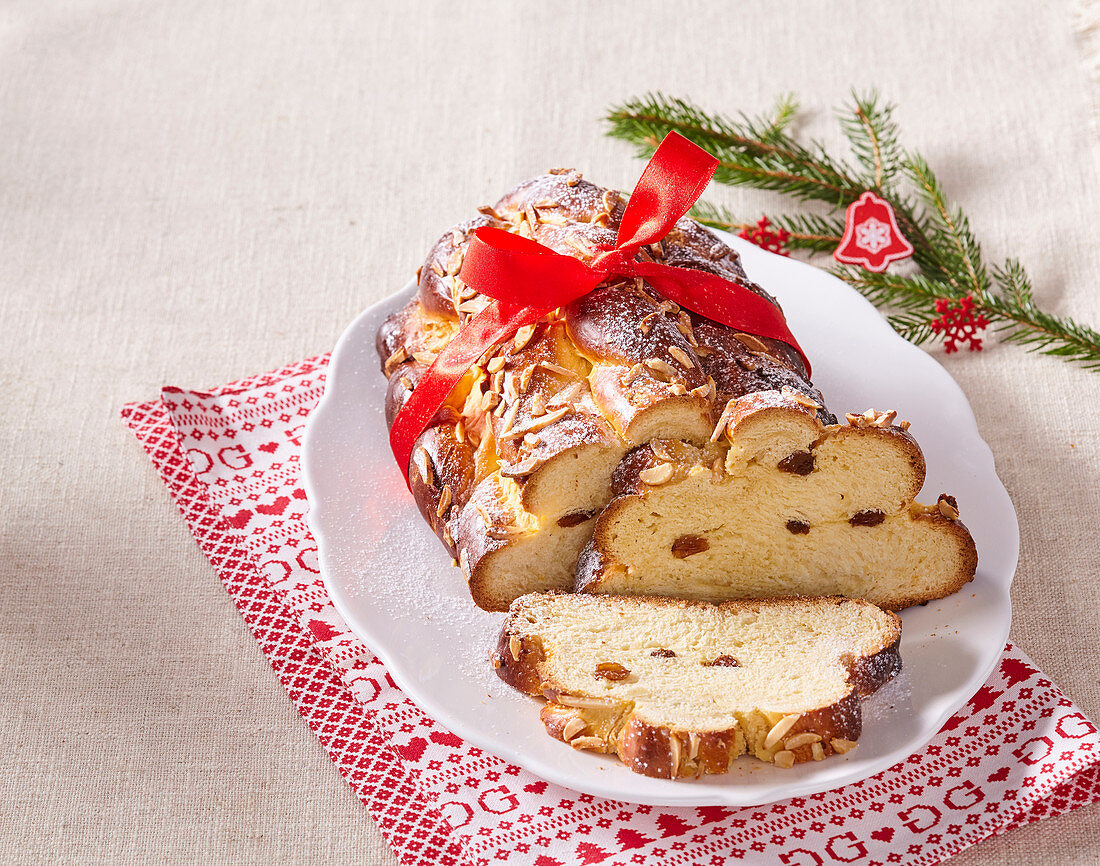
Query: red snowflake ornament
[
  {"x": 959, "y": 324},
  {"x": 764, "y": 236},
  {"x": 872, "y": 238}
]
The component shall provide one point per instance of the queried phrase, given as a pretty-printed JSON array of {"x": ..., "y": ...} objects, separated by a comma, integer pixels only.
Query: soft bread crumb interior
[
  {"x": 845, "y": 527},
  {"x": 752, "y": 552},
  {"x": 790, "y": 654}
]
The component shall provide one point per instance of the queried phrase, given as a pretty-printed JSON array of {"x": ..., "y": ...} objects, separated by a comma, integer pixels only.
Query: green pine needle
[
  {"x": 807, "y": 231},
  {"x": 873, "y": 135},
  {"x": 760, "y": 152}
]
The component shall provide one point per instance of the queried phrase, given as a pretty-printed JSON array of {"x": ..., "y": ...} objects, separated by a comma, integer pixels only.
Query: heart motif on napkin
[
  {"x": 446, "y": 738},
  {"x": 276, "y": 507},
  {"x": 240, "y": 519},
  {"x": 413, "y": 750}
]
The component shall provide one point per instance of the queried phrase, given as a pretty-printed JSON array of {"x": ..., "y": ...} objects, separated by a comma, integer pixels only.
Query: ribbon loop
[
  {"x": 528, "y": 280},
  {"x": 513, "y": 268},
  {"x": 671, "y": 183}
]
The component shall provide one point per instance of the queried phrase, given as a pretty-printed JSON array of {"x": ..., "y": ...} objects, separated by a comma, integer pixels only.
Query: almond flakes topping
[
  {"x": 565, "y": 396},
  {"x": 525, "y": 378},
  {"x": 780, "y": 728},
  {"x": 523, "y": 337},
  {"x": 537, "y": 424},
  {"x": 662, "y": 367},
  {"x": 424, "y": 465},
  {"x": 398, "y": 356},
  {"x": 803, "y": 739},
  {"x": 723, "y": 420},
  {"x": 444, "y": 501},
  {"x": 784, "y": 759},
  {"x": 799, "y": 398},
  {"x": 656, "y": 475},
  {"x": 753, "y": 344},
  {"x": 872, "y": 418},
  {"x": 557, "y": 369},
  {"x": 630, "y": 375},
  {"x": 573, "y": 727},
  {"x": 681, "y": 356}
]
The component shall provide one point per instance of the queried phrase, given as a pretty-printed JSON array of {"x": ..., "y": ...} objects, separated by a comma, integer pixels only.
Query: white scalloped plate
[{"x": 394, "y": 585}]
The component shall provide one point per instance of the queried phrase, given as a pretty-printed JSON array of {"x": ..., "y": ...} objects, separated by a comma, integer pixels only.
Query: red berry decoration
[
  {"x": 959, "y": 324},
  {"x": 765, "y": 237}
]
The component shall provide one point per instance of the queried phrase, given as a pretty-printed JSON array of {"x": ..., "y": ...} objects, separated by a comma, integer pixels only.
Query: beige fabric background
[{"x": 194, "y": 190}]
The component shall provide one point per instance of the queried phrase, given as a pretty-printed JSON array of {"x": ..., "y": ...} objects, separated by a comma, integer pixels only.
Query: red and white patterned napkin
[{"x": 1020, "y": 751}]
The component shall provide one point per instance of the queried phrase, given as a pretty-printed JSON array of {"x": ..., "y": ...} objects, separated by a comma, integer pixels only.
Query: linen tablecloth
[{"x": 195, "y": 191}]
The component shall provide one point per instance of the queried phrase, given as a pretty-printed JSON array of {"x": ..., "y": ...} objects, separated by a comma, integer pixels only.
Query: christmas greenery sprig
[{"x": 952, "y": 293}]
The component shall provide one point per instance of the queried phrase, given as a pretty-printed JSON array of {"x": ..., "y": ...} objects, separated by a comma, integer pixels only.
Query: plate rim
[{"x": 693, "y": 796}]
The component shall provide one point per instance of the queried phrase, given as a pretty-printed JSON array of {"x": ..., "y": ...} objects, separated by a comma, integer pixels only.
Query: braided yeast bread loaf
[
  {"x": 518, "y": 464},
  {"x": 679, "y": 688}
]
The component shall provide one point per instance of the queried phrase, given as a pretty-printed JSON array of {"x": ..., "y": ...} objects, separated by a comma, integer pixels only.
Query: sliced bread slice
[
  {"x": 792, "y": 507},
  {"x": 681, "y": 688}
]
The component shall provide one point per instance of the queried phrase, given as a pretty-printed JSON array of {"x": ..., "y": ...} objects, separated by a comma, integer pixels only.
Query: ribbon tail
[
  {"x": 718, "y": 299},
  {"x": 497, "y": 322}
]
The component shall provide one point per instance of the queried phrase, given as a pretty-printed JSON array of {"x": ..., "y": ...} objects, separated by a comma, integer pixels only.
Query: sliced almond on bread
[{"x": 679, "y": 688}]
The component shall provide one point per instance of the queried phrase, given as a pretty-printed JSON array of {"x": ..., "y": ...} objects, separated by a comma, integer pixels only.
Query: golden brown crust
[
  {"x": 441, "y": 479},
  {"x": 485, "y": 526},
  {"x": 658, "y": 751},
  {"x": 967, "y": 552},
  {"x": 439, "y": 293}
]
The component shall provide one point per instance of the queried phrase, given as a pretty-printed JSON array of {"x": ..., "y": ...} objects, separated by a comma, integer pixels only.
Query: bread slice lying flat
[
  {"x": 779, "y": 505},
  {"x": 679, "y": 688}
]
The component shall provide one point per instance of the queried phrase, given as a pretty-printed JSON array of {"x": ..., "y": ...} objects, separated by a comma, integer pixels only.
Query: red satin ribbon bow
[{"x": 528, "y": 281}]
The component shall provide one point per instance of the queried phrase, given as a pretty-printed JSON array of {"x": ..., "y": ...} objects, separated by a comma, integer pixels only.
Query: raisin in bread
[
  {"x": 518, "y": 464},
  {"x": 789, "y": 507},
  {"x": 679, "y": 688}
]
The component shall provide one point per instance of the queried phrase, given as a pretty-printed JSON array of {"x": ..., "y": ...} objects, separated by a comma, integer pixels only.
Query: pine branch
[
  {"x": 786, "y": 107},
  {"x": 1026, "y": 325},
  {"x": 760, "y": 152},
  {"x": 807, "y": 231},
  {"x": 751, "y": 151},
  {"x": 873, "y": 135},
  {"x": 893, "y": 291},
  {"x": 949, "y": 227}
]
